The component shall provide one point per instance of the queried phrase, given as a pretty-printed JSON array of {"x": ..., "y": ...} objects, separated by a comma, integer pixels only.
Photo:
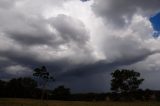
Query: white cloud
[{"x": 18, "y": 70}]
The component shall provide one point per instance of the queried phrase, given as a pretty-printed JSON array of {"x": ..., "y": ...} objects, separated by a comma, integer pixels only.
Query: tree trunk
[{"x": 44, "y": 90}]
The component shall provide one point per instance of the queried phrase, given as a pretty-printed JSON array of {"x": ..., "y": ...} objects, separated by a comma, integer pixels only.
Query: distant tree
[
  {"x": 61, "y": 93},
  {"x": 28, "y": 85},
  {"x": 125, "y": 81},
  {"x": 148, "y": 94},
  {"x": 2, "y": 88},
  {"x": 21, "y": 87},
  {"x": 43, "y": 74}
]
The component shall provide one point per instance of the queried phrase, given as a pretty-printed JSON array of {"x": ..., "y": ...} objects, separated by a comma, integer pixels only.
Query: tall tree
[
  {"x": 125, "y": 81},
  {"x": 45, "y": 76}
]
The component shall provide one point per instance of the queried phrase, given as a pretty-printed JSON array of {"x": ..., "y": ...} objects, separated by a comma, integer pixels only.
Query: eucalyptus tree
[{"x": 44, "y": 75}]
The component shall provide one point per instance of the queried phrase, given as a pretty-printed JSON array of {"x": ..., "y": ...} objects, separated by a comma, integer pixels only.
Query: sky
[
  {"x": 155, "y": 21},
  {"x": 80, "y": 41}
]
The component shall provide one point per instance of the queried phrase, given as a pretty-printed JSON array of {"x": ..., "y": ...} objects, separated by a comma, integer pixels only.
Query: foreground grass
[{"x": 32, "y": 102}]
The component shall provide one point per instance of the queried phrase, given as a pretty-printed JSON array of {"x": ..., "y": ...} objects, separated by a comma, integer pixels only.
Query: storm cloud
[
  {"x": 120, "y": 12},
  {"x": 81, "y": 43}
]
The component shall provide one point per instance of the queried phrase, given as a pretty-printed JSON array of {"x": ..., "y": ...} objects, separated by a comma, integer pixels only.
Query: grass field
[{"x": 31, "y": 102}]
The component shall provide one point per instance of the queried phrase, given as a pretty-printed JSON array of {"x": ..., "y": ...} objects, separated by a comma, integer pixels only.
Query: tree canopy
[{"x": 125, "y": 81}]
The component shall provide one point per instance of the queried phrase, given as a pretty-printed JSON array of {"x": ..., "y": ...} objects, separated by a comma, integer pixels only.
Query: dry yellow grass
[{"x": 32, "y": 102}]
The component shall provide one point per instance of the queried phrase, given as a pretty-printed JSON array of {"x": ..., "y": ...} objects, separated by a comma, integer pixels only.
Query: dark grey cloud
[
  {"x": 94, "y": 83},
  {"x": 71, "y": 30},
  {"x": 6, "y": 4},
  {"x": 84, "y": 0},
  {"x": 29, "y": 42},
  {"x": 104, "y": 67},
  {"x": 117, "y": 12},
  {"x": 29, "y": 31},
  {"x": 55, "y": 31}
]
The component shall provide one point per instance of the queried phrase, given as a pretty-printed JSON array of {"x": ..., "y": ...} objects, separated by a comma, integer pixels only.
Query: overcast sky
[{"x": 80, "y": 41}]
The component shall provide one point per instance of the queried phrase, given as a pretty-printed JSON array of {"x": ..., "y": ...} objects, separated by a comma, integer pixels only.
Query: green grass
[{"x": 32, "y": 102}]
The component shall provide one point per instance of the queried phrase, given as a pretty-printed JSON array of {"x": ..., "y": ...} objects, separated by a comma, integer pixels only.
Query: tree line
[
  {"x": 124, "y": 86},
  {"x": 28, "y": 88}
]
